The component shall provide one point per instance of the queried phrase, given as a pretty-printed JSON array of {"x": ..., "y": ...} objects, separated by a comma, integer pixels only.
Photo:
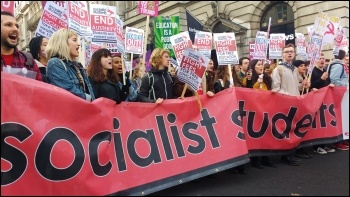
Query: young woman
[
  {"x": 129, "y": 90},
  {"x": 157, "y": 84},
  {"x": 62, "y": 68},
  {"x": 37, "y": 46},
  {"x": 222, "y": 80},
  {"x": 103, "y": 79},
  {"x": 258, "y": 79}
]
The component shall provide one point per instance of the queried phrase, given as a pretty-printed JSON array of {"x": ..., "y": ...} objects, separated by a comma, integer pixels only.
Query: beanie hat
[{"x": 297, "y": 63}]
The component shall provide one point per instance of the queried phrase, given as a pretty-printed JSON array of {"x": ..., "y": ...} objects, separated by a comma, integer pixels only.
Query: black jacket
[
  {"x": 162, "y": 86},
  {"x": 107, "y": 89},
  {"x": 316, "y": 81}
]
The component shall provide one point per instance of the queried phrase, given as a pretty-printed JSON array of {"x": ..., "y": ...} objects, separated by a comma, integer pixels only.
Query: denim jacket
[{"x": 66, "y": 77}]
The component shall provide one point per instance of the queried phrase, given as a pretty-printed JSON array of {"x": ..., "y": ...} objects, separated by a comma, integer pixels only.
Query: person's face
[
  {"x": 302, "y": 69},
  {"x": 259, "y": 68},
  {"x": 321, "y": 62},
  {"x": 267, "y": 70},
  {"x": 165, "y": 59},
  {"x": 171, "y": 70},
  {"x": 288, "y": 54},
  {"x": 74, "y": 45},
  {"x": 43, "y": 47},
  {"x": 236, "y": 67},
  {"x": 9, "y": 31},
  {"x": 140, "y": 63},
  {"x": 142, "y": 72},
  {"x": 245, "y": 64},
  {"x": 117, "y": 64},
  {"x": 210, "y": 65},
  {"x": 106, "y": 62}
]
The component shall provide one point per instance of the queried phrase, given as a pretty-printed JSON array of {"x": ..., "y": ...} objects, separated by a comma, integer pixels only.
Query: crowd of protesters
[{"x": 55, "y": 62}]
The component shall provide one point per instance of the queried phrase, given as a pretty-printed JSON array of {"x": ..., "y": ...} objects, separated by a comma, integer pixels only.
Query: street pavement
[{"x": 321, "y": 175}]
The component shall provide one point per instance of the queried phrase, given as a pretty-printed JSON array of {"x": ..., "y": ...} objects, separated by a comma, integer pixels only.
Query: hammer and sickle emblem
[{"x": 330, "y": 27}]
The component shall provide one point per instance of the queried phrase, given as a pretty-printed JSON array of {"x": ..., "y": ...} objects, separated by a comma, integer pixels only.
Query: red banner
[{"x": 54, "y": 143}]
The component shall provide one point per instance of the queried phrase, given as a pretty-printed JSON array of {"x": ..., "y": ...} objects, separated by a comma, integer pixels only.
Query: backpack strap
[
  {"x": 151, "y": 82},
  {"x": 342, "y": 71},
  {"x": 29, "y": 60}
]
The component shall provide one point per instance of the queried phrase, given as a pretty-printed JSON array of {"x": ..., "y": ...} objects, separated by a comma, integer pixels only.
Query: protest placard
[
  {"x": 53, "y": 18},
  {"x": 301, "y": 46},
  {"x": 134, "y": 40},
  {"x": 192, "y": 68},
  {"x": 226, "y": 50},
  {"x": 103, "y": 23},
  {"x": 78, "y": 18},
  {"x": 204, "y": 42},
  {"x": 338, "y": 40},
  {"x": 277, "y": 42},
  {"x": 164, "y": 27},
  {"x": 331, "y": 30},
  {"x": 149, "y": 8},
  {"x": 260, "y": 49},
  {"x": 120, "y": 35},
  {"x": 179, "y": 43}
]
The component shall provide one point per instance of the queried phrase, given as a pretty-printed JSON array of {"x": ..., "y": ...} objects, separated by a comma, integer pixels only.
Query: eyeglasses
[{"x": 288, "y": 52}]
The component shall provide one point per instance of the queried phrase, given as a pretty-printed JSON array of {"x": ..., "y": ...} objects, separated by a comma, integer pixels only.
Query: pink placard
[{"x": 148, "y": 7}]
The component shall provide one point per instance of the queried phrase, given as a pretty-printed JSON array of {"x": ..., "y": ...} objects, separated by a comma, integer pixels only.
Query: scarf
[{"x": 290, "y": 66}]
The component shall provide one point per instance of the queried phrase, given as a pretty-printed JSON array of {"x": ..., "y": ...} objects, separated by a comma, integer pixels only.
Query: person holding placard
[
  {"x": 320, "y": 79},
  {"x": 103, "y": 79},
  {"x": 129, "y": 90},
  {"x": 303, "y": 83},
  {"x": 62, "y": 68},
  {"x": 157, "y": 84}
]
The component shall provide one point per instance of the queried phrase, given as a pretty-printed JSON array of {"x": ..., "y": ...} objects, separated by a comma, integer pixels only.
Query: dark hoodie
[{"x": 162, "y": 86}]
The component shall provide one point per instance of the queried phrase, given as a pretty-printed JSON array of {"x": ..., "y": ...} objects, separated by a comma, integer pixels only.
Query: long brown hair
[
  {"x": 222, "y": 73},
  {"x": 266, "y": 78},
  {"x": 95, "y": 69}
]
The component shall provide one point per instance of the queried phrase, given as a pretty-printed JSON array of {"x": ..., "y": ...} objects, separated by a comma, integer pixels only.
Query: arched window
[
  {"x": 220, "y": 28},
  {"x": 282, "y": 20}
]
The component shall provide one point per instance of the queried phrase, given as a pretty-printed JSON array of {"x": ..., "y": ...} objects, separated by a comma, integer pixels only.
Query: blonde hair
[
  {"x": 137, "y": 70},
  {"x": 58, "y": 44},
  {"x": 156, "y": 57}
]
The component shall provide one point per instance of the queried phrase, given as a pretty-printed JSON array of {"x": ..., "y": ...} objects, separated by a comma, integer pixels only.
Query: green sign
[{"x": 164, "y": 27}]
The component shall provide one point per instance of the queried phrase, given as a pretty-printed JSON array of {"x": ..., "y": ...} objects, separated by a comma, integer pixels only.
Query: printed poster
[
  {"x": 53, "y": 18},
  {"x": 179, "y": 43},
  {"x": 192, "y": 68},
  {"x": 204, "y": 42},
  {"x": 103, "y": 23},
  {"x": 134, "y": 40},
  {"x": 226, "y": 49},
  {"x": 164, "y": 27}
]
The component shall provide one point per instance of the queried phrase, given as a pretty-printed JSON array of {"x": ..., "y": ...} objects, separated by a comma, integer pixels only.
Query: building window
[
  {"x": 282, "y": 20},
  {"x": 283, "y": 11}
]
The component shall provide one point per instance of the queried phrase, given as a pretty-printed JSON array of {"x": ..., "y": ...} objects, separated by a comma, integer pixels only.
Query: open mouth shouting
[{"x": 13, "y": 38}]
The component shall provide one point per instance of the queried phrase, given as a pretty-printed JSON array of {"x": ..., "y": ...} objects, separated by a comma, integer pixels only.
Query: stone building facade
[{"x": 244, "y": 18}]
